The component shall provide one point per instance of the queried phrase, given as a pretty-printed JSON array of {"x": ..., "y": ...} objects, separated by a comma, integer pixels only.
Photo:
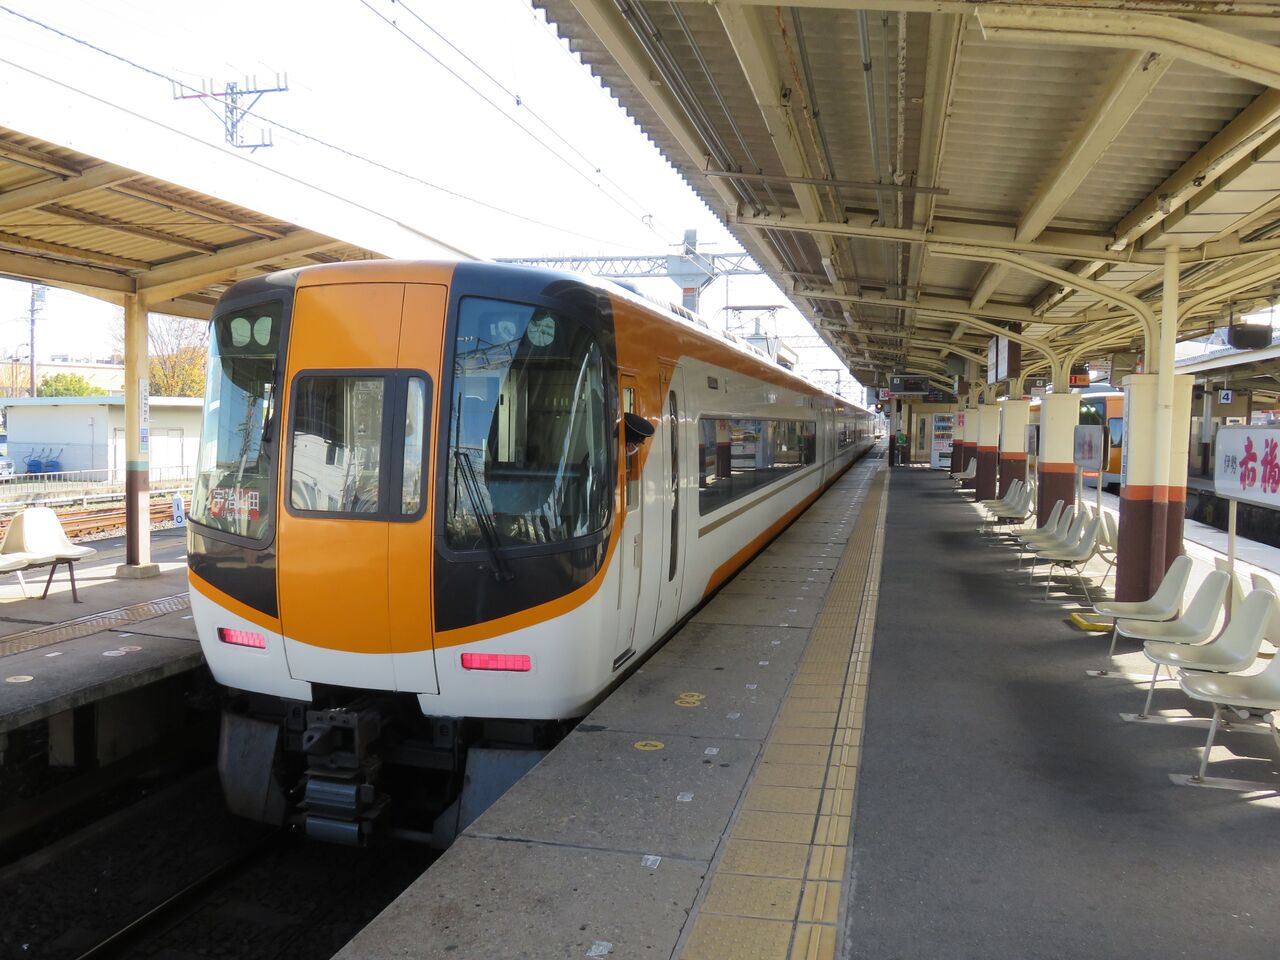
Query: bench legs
[
  {"x": 71, "y": 571},
  {"x": 22, "y": 583}
]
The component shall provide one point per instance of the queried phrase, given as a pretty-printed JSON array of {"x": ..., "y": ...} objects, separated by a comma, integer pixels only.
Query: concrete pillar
[
  {"x": 987, "y": 451},
  {"x": 1014, "y": 417},
  {"x": 1055, "y": 468},
  {"x": 137, "y": 476},
  {"x": 1151, "y": 512}
]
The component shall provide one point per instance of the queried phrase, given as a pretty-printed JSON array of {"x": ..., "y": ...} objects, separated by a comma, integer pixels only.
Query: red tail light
[
  {"x": 242, "y": 638},
  {"x": 517, "y": 662}
]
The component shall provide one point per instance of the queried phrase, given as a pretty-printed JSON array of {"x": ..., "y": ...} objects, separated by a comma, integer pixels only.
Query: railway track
[{"x": 86, "y": 523}]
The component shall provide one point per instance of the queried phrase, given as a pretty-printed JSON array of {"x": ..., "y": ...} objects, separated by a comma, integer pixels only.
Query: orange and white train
[{"x": 421, "y": 531}]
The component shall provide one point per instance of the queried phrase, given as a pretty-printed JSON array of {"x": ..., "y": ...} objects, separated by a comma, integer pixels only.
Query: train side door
[
  {"x": 674, "y": 469},
  {"x": 409, "y": 538},
  {"x": 631, "y": 543},
  {"x": 332, "y": 527}
]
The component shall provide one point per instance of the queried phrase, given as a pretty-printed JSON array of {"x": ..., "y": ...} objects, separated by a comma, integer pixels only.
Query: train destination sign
[{"x": 1246, "y": 464}]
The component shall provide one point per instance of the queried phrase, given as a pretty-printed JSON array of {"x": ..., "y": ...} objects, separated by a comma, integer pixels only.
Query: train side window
[
  {"x": 1115, "y": 427},
  {"x": 737, "y": 456},
  {"x": 633, "y": 458},
  {"x": 415, "y": 429},
  {"x": 336, "y": 455}
]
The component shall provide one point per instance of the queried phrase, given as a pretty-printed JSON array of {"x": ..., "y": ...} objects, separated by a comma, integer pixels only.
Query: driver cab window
[{"x": 337, "y": 444}]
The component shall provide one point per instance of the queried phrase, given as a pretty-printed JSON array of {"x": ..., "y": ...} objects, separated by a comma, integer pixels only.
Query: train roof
[{"x": 669, "y": 311}]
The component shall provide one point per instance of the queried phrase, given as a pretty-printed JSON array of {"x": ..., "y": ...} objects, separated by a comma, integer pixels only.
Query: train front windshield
[
  {"x": 530, "y": 445},
  {"x": 234, "y": 476}
]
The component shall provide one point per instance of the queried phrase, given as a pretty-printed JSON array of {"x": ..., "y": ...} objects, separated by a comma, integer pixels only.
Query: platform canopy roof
[
  {"x": 73, "y": 220},
  {"x": 920, "y": 175}
]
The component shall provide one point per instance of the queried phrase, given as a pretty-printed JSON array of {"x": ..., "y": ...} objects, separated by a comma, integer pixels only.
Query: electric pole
[
  {"x": 37, "y": 305},
  {"x": 233, "y": 111}
]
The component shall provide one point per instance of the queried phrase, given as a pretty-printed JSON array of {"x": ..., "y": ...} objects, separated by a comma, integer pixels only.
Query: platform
[
  {"x": 723, "y": 803},
  {"x": 56, "y": 655}
]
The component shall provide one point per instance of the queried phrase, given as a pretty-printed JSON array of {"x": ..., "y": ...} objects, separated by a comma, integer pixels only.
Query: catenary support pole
[{"x": 137, "y": 481}]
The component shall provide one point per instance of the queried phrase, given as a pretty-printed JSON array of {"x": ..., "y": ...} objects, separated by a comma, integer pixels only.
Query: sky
[{"x": 471, "y": 122}]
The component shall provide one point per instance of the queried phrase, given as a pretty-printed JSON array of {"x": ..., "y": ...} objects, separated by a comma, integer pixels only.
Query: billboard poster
[{"x": 1089, "y": 447}]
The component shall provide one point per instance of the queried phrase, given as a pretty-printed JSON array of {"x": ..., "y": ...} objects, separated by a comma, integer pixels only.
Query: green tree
[{"x": 68, "y": 385}]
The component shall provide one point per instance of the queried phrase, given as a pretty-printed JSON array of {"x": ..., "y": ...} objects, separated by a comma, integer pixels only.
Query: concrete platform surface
[
  {"x": 1004, "y": 808},
  {"x": 56, "y": 655},
  {"x": 695, "y": 790}
]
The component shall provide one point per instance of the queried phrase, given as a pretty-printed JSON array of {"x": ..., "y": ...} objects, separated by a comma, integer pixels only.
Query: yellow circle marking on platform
[
  {"x": 20, "y": 678},
  {"x": 691, "y": 699},
  {"x": 649, "y": 744}
]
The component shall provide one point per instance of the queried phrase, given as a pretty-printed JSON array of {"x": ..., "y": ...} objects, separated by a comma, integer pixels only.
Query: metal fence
[{"x": 85, "y": 486}]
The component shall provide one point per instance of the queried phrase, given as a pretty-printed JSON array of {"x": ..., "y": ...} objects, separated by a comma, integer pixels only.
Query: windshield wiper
[{"x": 484, "y": 516}]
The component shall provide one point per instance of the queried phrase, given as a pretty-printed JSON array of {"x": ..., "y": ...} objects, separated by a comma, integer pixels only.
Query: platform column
[
  {"x": 987, "y": 451},
  {"x": 970, "y": 443},
  {"x": 1014, "y": 416},
  {"x": 1151, "y": 512},
  {"x": 1055, "y": 467},
  {"x": 137, "y": 476}
]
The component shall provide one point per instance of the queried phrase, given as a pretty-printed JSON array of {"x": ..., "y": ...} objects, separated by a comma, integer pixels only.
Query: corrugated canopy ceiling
[{"x": 917, "y": 173}]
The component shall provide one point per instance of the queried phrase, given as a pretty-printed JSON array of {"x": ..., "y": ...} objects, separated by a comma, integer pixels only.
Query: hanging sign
[
  {"x": 1088, "y": 447},
  {"x": 1246, "y": 465}
]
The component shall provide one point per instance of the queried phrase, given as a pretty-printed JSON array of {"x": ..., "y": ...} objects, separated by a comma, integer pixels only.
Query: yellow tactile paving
[
  {"x": 776, "y": 887},
  {"x": 814, "y": 942},
  {"x": 763, "y": 796},
  {"x": 716, "y": 937},
  {"x": 764, "y": 858},
  {"x": 737, "y": 895}
]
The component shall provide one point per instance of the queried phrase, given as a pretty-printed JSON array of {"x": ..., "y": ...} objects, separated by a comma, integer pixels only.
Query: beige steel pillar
[
  {"x": 987, "y": 451},
  {"x": 137, "y": 476},
  {"x": 1014, "y": 417},
  {"x": 1055, "y": 467}
]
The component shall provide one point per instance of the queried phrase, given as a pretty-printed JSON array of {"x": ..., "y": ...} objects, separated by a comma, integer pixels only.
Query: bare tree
[{"x": 179, "y": 349}]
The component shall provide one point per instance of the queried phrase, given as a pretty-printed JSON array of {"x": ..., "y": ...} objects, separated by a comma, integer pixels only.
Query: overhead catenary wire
[
  {"x": 489, "y": 100},
  {"x": 319, "y": 141},
  {"x": 523, "y": 104}
]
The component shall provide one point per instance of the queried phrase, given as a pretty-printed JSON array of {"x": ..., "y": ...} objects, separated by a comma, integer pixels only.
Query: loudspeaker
[{"x": 1249, "y": 336}]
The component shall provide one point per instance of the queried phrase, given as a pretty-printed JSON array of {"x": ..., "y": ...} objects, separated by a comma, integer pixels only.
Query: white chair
[
  {"x": 1058, "y": 544},
  {"x": 16, "y": 556},
  {"x": 1233, "y": 650},
  {"x": 1165, "y": 603},
  {"x": 1073, "y": 557},
  {"x": 37, "y": 533},
  {"x": 1237, "y": 586},
  {"x": 968, "y": 473},
  {"x": 1108, "y": 543},
  {"x": 1257, "y": 693}
]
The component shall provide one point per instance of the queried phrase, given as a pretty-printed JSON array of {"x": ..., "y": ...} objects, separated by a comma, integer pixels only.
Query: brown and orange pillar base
[{"x": 1056, "y": 469}]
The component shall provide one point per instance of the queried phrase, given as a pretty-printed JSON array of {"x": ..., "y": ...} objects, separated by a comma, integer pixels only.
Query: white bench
[{"x": 35, "y": 538}]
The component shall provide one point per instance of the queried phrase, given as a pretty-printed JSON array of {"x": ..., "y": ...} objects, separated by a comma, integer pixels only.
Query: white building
[{"x": 87, "y": 433}]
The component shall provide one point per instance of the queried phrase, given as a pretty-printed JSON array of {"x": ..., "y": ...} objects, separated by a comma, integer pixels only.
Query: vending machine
[{"x": 940, "y": 450}]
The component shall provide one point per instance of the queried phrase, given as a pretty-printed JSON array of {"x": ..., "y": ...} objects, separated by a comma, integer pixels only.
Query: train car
[
  {"x": 1104, "y": 408},
  {"x": 442, "y": 508}
]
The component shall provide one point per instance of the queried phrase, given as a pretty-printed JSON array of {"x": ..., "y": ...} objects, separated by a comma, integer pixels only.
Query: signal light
[
  {"x": 514, "y": 662},
  {"x": 242, "y": 638}
]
